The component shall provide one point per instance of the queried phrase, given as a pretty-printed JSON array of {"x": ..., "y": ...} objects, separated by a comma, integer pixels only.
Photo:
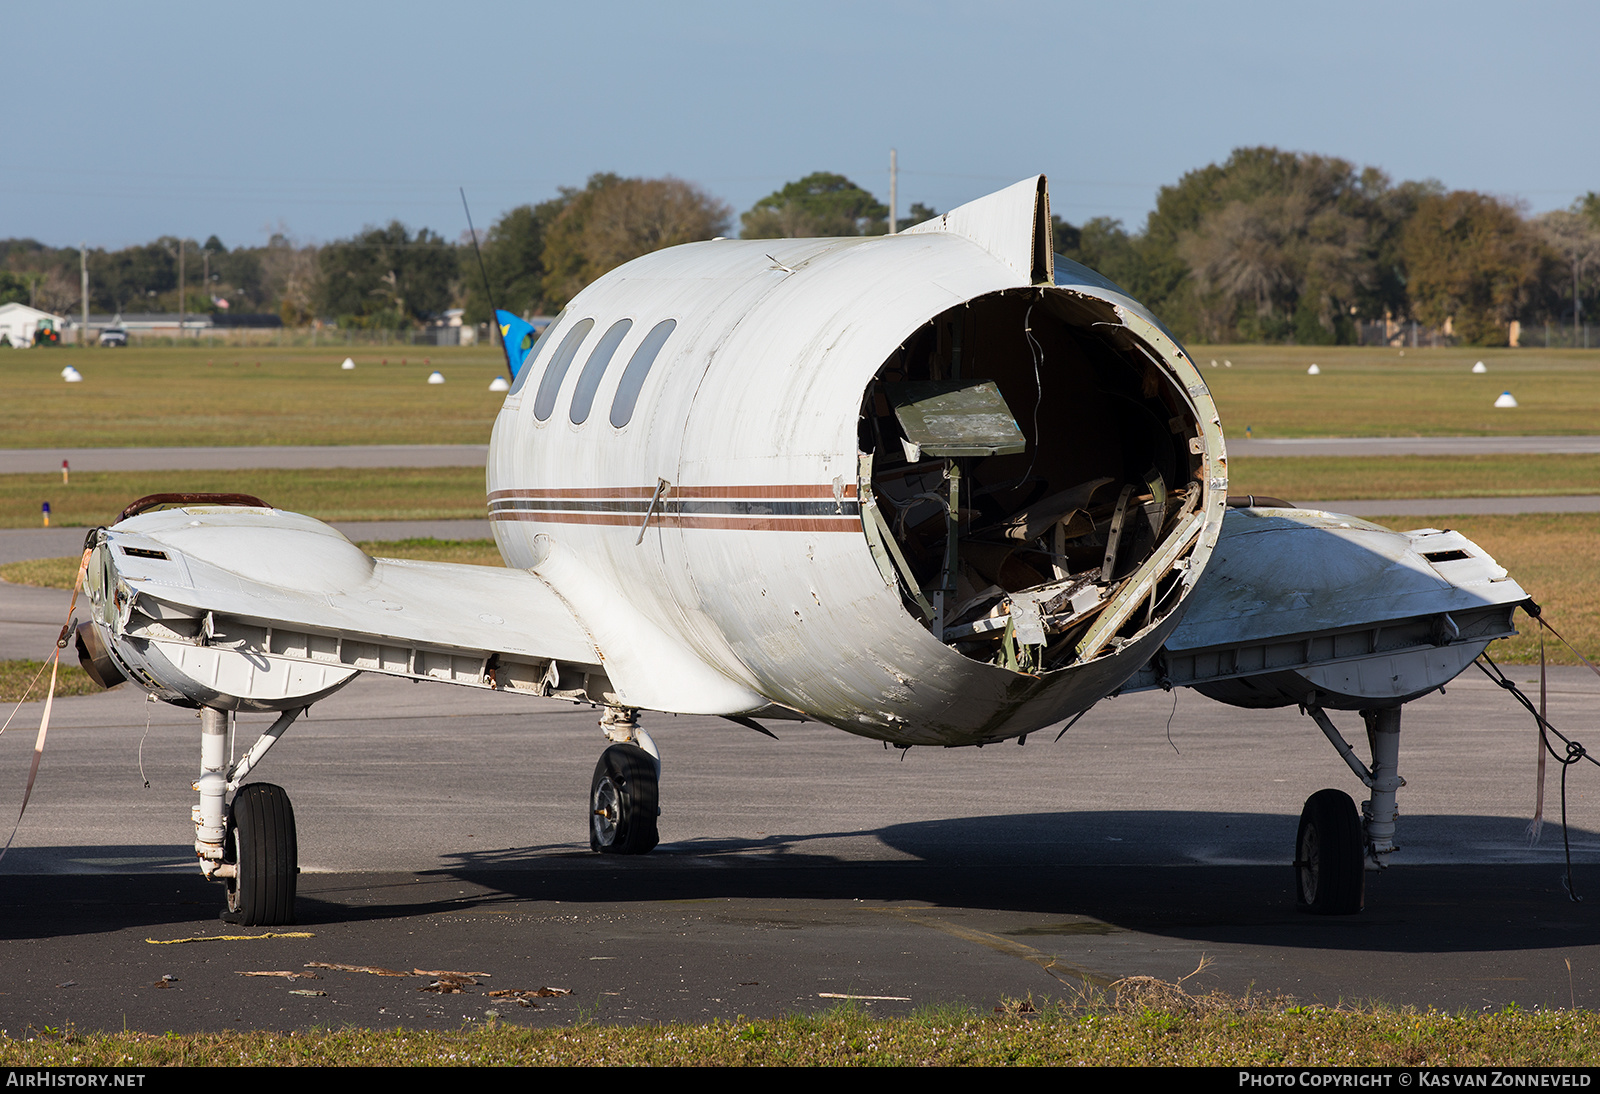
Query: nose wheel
[
  {"x": 1330, "y": 856},
  {"x": 262, "y": 850},
  {"x": 623, "y": 802}
]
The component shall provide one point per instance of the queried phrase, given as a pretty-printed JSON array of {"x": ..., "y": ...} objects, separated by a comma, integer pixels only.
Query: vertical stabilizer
[
  {"x": 517, "y": 338},
  {"x": 1012, "y": 224}
]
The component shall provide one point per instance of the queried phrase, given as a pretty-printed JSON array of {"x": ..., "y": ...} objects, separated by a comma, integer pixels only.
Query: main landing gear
[
  {"x": 624, "y": 793},
  {"x": 248, "y": 844},
  {"x": 1335, "y": 845}
]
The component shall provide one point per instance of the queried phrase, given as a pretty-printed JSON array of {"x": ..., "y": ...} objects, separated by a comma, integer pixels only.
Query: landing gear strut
[
  {"x": 249, "y": 844},
  {"x": 624, "y": 792},
  {"x": 1335, "y": 845}
]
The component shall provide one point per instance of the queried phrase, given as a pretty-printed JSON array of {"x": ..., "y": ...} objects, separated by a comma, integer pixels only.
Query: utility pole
[
  {"x": 181, "y": 286},
  {"x": 83, "y": 256},
  {"x": 1577, "y": 302},
  {"x": 894, "y": 181}
]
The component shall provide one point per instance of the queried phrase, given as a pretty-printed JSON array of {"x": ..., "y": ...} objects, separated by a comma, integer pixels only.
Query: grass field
[
  {"x": 229, "y": 396},
  {"x": 299, "y": 395},
  {"x": 1374, "y": 392},
  {"x": 1322, "y": 478},
  {"x": 1205, "y": 1032},
  {"x": 400, "y": 493}
]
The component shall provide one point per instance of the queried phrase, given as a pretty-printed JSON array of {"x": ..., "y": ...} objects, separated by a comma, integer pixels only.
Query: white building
[{"x": 18, "y": 322}]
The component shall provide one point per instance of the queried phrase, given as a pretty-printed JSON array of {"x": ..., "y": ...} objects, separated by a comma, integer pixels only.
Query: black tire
[
  {"x": 623, "y": 800},
  {"x": 1330, "y": 854},
  {"x": 262, "y": 847}
]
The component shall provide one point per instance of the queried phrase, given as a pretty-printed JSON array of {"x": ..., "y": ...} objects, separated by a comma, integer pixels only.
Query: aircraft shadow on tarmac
[{"x": 1480, "y": 887}]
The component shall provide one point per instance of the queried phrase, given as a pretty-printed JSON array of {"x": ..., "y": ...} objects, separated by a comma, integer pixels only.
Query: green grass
[
  {"x": 1320, "y": 478},
  {"x": 198, "y": 395},
  {"x": 20, "y": 680},
  {"x": 194, "y": 395},
  {"x": 1207, "y": 1033},
  {"x": 1374, "y": 392},
  {"x": 367, "y": 493}
]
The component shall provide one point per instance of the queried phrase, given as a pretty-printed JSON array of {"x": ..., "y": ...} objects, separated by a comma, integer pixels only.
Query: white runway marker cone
[
  {"x": 1505, "y": 399},
  {"x": 499, "y": 384},
  {"x": 1313, "y": 371},
  {"x": 435, "y": 377},
  {"x": 349, "y": 363},
  {"x": 1480, "y": 368}
]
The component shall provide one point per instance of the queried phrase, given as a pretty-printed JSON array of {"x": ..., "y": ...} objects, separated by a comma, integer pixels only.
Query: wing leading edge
[{"x": 259, "y": 609}]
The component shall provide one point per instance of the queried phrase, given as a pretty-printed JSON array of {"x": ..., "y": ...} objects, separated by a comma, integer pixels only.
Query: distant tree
[
  {"x": 1276, "y": 246},
  {"x": 1064, "y": 237},
  {"x": 1106, "y": 248},
  {"x": 130, "y": 279},
  {"x": 385, "y": 277},
  {"x": 60, "y": 290},
  {"x": 241, "y": 278},
  {"x": 1589, "y": 206},
  {"x": 13, "y": 289},
  {"x": 1576, "y": 239},
  {"x": 513, "y": 255},
  {"x": 290, "y": 279},
  {"x": 1471, "y": 259},
  {"x": 820, "y": 204},
  {"x": 919, "y": 214},
  {"x": 613, "y": 220}
]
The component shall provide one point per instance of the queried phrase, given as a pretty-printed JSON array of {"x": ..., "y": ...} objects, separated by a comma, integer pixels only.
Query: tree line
[{"x": 1268, "y": 246}]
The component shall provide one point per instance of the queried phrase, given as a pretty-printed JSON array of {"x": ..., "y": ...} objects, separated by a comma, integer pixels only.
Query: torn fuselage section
[{"x": 1036, "y": 475}]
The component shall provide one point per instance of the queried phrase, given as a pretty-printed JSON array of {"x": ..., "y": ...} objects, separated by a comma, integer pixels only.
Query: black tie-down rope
[{"x": 1574, "y": 751}]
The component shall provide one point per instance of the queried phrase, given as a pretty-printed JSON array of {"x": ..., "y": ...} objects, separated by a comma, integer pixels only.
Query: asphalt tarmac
[{"x": 444, "y": 829}]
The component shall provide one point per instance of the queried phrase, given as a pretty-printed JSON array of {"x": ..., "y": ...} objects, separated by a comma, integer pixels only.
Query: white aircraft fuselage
[
  {"x": 938, "y": 488},
  {"x": 753, "y": 559}
]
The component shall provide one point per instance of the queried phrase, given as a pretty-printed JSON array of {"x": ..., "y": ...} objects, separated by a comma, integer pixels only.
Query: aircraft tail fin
[{"x": 517, "y": 337}]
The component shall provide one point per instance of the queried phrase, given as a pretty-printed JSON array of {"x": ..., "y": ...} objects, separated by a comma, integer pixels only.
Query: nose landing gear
[
  {"x": 262, "y": 849},
  {"x": 1336, "y": 845},
  {"x": 1329, "y": 856}
]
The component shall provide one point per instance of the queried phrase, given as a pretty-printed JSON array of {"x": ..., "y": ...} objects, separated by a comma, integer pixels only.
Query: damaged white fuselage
[
  {"x": 939, "y": 488},
  {"x": 930, "y": 488}
]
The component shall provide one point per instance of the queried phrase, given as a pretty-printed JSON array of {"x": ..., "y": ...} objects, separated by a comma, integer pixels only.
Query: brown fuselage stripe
[
  {"x": 674, "y": 520},
  {"x": 822, "y": 491}
]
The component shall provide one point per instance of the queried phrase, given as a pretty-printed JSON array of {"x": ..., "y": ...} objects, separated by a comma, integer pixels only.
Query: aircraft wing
[
  {"x": 1300, "y": 602},
  {"x": 263, "y": 609}
]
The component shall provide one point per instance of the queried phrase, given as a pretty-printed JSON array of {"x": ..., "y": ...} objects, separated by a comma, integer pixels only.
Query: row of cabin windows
[{"x": 594, "y": 369}]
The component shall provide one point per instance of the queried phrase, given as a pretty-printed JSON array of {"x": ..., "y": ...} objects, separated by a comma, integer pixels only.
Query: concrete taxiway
[
  {"x": 444, "y": 829},
  {"x": 38, "y": 460}
]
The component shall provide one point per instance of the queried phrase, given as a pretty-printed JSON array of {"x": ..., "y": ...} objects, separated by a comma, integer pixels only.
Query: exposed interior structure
[{"x": 1027, "y": 456}]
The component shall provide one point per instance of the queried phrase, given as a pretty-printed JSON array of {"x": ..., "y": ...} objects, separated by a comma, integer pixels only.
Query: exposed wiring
[{"x": 1571, "y": 755}]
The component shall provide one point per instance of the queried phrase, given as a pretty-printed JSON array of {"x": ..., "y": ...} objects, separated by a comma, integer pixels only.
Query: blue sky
[{"x": 131, "y": 121}]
